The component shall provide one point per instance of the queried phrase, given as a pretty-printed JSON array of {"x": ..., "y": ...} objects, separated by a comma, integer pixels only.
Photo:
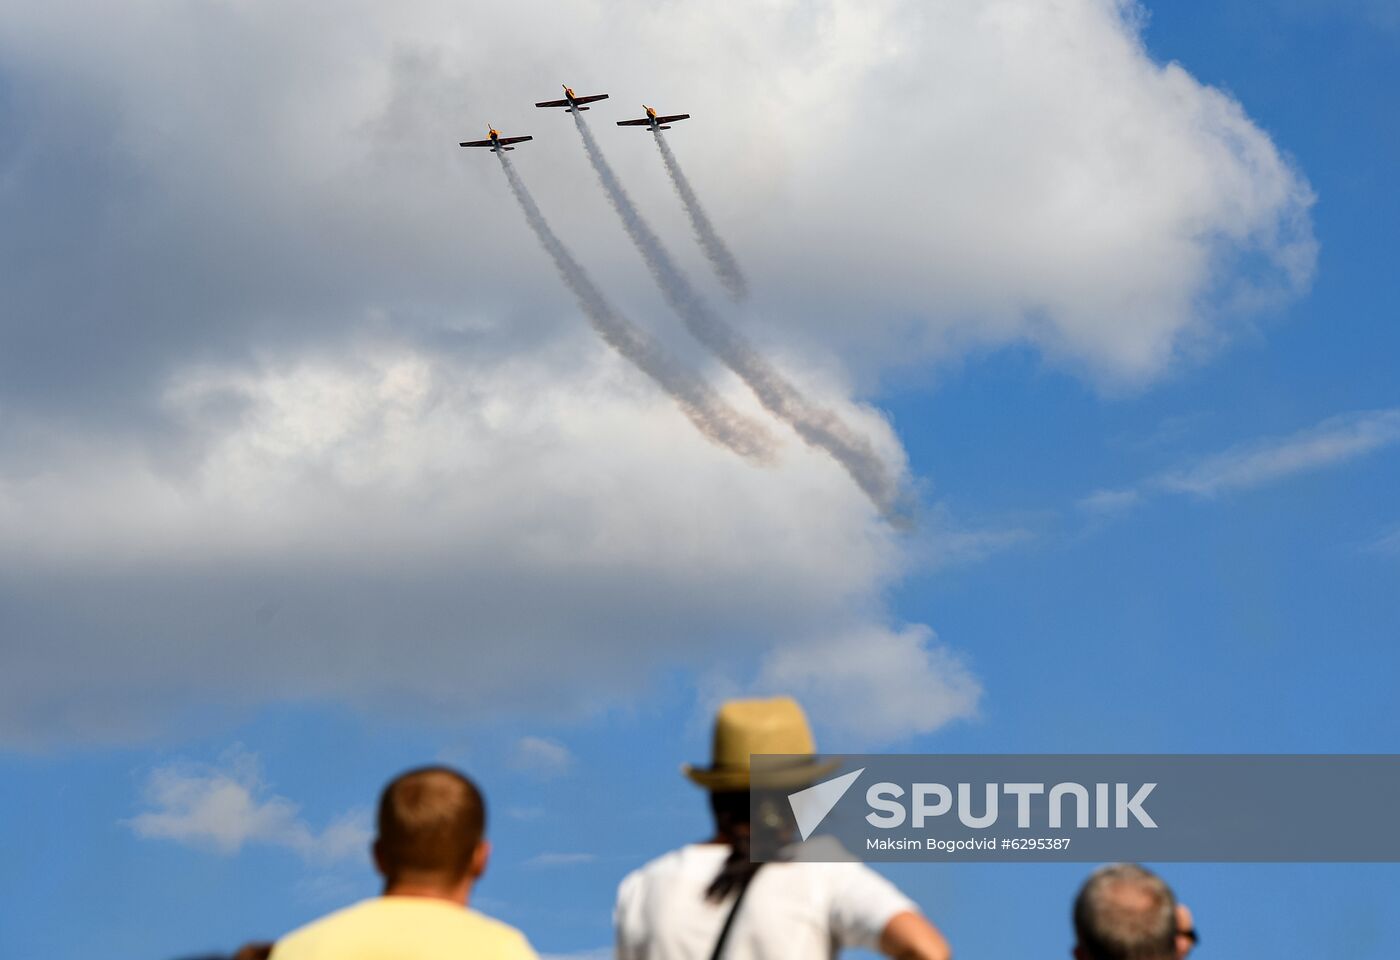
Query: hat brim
[{"x": 723, "y": 779}]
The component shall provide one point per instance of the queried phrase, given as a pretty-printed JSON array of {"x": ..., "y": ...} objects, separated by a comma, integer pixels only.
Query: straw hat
[{"x": 746, "y": 727}]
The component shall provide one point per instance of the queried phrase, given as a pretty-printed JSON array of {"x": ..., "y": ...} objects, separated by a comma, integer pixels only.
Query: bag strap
[{"x": 729, "y": 920}]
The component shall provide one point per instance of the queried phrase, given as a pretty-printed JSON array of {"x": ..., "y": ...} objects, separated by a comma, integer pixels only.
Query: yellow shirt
[{"x": 404, "y": 928}]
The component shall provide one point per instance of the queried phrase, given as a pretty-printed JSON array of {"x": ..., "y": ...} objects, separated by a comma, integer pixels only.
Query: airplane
[
  {"x": 652, "y": 120},
  {"x": 571, "y": 102},
  {"x": 494, "y": 140}
]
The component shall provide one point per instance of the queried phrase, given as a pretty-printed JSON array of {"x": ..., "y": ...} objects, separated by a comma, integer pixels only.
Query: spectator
[
  {"x": 258, "y": 950},
  {"x": 708, "y": 900},
  {"x": 1127, "y": 912},
  {"x": 1186, "y": 935},
  {"x": 431, "y": 851}
]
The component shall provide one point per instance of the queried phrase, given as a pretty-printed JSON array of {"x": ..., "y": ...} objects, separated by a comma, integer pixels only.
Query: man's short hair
[
  {"x": 430, "y": 822},
  {"x": 1125, "y": 912}
]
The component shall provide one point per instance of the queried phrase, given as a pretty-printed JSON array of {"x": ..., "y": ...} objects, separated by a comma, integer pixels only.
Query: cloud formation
[
  {"x": 561, "y": 859},
  {"x": 877, "y": 685},
  {"x": 1386, "y": 543},
  {"x": 227, "y": 806},
  {"x": 291, "y": 409},
  {"x": 542, "y": 757},
  {"x": 401, "y": 531},
  {"x": 1028, "y": 174},
  {"x": 1334, "y": 441}
]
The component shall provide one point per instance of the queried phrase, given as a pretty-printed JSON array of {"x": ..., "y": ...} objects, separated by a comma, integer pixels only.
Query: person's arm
[
  {"x": 909, "y": 936},
  {"x": 869, "y": 913}
]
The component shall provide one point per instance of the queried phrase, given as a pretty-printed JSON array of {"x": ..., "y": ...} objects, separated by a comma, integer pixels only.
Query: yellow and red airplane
[
  {"x": 572, "y": 101},
  {"x": 494, "y": 140},
  {"x": 652, "y": 120}
]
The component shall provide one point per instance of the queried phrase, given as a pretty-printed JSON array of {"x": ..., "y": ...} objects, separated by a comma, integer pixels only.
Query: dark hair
[
  {"x": 1126, "y": 912},
  {"x": 430, "y": 822},
  {"x": 259, "y": 950},
  {"x": 731, "y": 810}
]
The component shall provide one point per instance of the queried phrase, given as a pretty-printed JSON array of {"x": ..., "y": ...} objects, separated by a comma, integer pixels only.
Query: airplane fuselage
[
  {"x": 654, "y": 121},
  {"x": 494, "y": 141},
  {"x": 572, "y": 102}
]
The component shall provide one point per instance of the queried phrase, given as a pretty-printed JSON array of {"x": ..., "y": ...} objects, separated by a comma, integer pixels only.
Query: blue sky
[{"x": 1124, "y": 548}]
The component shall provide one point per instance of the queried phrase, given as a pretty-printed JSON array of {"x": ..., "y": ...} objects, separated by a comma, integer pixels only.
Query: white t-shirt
[{"x": 791, "y": 910}]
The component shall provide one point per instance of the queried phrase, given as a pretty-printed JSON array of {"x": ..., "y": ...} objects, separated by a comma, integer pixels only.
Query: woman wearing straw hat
[{"x": 708, "y": 900}]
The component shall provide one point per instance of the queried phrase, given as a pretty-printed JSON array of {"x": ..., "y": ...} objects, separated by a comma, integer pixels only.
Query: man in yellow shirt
[{"x": 430, "y": 851}]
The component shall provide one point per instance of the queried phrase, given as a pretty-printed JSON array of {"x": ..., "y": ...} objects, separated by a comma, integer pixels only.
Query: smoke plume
[
  {"x": 714, "y": 418},
  {"x": 817, "y": 426},
  {"x": 723, "y": 262}
]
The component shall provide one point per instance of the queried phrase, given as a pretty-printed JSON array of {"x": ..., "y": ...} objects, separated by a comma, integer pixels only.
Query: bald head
[
  {"x": 1125, "y": 912},
  {"x": 431, "y": 822}
]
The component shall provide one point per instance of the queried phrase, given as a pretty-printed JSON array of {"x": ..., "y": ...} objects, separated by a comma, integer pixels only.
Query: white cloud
[
  {"x": 542, "y": 757},
  {"x": 1388, "y": 543},
  {"x": 1020, "y": 171},
  {"x": 1110, "y": 501},
  {"x": 340, "y": 435},
  {"x": 561, "y": 859},
  {"x": 1247, "y": 466},
  {"x": 525, "y": 814},
  {"x": 874, "y": 685},
  {"x": 227, "y": 806},
  {"x": 943, "y": 540},
  {"x": 437, "y": 537},
  {"x": 1332, "y": 442},
  {"x": 1372, "y": 13}
]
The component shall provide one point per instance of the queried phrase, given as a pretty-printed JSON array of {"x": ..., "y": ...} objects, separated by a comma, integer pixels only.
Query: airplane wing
[
  {"x": 475, "y": 143},
  {"x": 679, "y": 116},
  {"x": 505, "y": 140},
  {"x": 596, "y": 96},
  {"x": 645, "y": 121},
  {"x": 553, "y": 103}
]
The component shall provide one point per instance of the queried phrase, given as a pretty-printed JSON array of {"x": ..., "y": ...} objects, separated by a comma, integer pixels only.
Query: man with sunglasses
[{"x": 1126, "y": 912}]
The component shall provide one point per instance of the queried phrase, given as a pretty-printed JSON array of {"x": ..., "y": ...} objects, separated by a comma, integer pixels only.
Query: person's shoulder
[
  {"x": 491, "y": 927},
  {"x": 507, "y": 940},
  {"x": 703, "y": 856},
  {"x": 663, "y": 871},
  {"x": 291, "y": 945}
]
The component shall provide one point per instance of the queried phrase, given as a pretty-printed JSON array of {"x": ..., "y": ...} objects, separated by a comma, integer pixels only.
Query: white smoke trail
[
  {"x": 819, "y": 427},
  {"x": 725, "y": 266},
  {"x": 715, "y": 418}
]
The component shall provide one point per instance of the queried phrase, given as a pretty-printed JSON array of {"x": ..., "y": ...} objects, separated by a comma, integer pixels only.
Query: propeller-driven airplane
[
  {"x": 653, "y": 121},
  {"x": 495, "y": 141},
  {"x": 572, "y": 102}
]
